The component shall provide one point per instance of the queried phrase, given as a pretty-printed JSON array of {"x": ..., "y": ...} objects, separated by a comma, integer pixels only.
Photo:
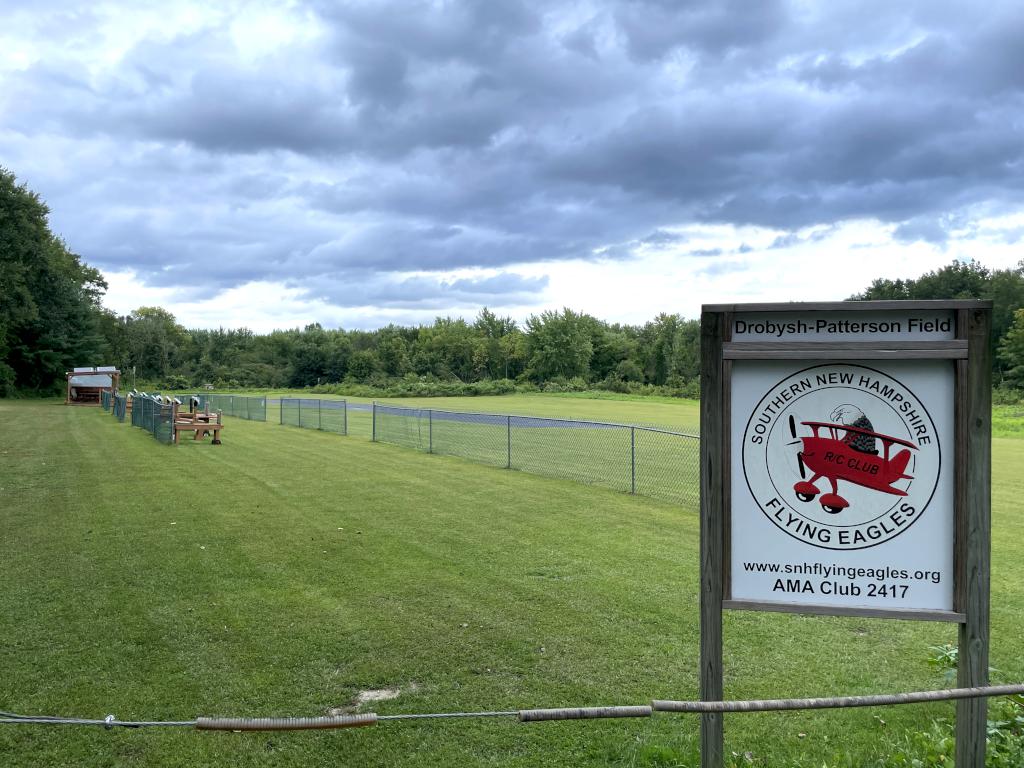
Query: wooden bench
[{"x": 199, "y": 428}]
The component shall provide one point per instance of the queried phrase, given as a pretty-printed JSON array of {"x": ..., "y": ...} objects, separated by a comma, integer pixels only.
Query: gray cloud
[
  {"x": 660, "y": 237},
  {"x": 360, "y": 289},
  {"x": 654, "y": 28},
  {"x": 791, "y": 239},
  {"x": 723, "y": 267},
  {"x": 423, "y": 137},
  {"x": 929, "y": 230}
]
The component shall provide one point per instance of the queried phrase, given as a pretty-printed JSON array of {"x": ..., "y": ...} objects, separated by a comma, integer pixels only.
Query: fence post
[
  {"x": 344, "y": 415},
  {"x": 508, "y": 463},
  {"x": 713, "y": 428},
  {"x": 974, "y": 439},
  {"x": 373, "y": 434},
  {"x": 632, "y": 460},
  {"x": 299, "y": 401},
  {"x": 319, "y": 414},
  {"x": 430, "y": 431},
  {"x": 280, "y": 411}
]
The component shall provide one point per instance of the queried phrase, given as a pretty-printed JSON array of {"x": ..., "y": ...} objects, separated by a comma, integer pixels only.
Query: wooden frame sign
[{"x": 845, "y": 463}]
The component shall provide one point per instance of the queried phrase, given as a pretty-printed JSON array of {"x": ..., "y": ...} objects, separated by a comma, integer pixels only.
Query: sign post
[{"x": 845, "y": 451}]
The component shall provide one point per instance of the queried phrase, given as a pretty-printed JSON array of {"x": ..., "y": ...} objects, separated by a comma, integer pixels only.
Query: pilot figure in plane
[{"x": 852, "y": 416}]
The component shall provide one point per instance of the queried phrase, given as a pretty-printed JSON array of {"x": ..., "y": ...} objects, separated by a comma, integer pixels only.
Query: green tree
[
  {"x": 957, "y": 280},
  {"x": 628, "y": 370},
  {"x": 614, "y": 347},
  {"x": 671, "y": 349},
  {"x": 446, "y": 349},
  {"x": 491, "y": 356},
  {"x": 339, "y": 350},
  {"x": 309, "y": 357},
  {"x": 154, "y": 342},
  {"x": 1006, "y": 290},
  {"x": 50, "y": 314},
  {"x": 559, "y": 345},
  {"x": 1011, "y": 352},
  {"x": 393, "y": 352},
  {"x": 513, "y": 354},
  {"x": 363, "y": 364},
  {"x": 963, "y": 280}
]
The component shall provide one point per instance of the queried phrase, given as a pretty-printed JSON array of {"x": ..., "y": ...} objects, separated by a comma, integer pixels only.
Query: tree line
[
  {"x": 52, "y": 318},
  {"x": 555, "y": 349}
]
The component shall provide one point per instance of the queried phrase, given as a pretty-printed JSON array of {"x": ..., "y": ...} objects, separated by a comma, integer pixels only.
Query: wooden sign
[{"x": 846, "y": 471}]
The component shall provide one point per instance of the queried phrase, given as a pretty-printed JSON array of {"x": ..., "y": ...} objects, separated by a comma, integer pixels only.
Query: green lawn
[
  {"x": 1008, "y": 420},
  {"x": 287, "y": 570}
]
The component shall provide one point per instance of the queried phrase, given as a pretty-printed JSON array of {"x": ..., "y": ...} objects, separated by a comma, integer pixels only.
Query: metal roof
[{"x": 93, "y": 380}]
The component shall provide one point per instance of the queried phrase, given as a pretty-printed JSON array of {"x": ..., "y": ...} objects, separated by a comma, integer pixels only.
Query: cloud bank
[{"x": 431, "y": 155}]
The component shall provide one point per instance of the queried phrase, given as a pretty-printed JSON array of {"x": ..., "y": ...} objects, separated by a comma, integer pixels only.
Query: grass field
[
  {"x": 1008, "y": 420},
  {"x": 288, "y": 570}
]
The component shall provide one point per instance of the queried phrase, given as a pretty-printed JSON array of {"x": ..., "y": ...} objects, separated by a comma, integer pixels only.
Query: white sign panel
[{"x": 842, "y": 483}]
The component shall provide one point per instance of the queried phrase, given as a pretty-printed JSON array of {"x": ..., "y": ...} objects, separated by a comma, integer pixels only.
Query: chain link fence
[
  {"x": 645, "y": 460},
  {"x": 648, "y": 461},
  {"x": 251, "y": 408},
  {"x": 328, "y": 415},
  {"x": 154, "y": 416},
  {"x": 119, "y": 407}
]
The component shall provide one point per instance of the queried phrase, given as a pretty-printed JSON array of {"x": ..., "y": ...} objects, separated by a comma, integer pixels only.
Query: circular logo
[{"x": 841, "y": 456}]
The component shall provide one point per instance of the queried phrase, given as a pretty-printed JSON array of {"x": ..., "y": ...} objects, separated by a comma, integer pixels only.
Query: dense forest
[{"x": 52, "y": 318}]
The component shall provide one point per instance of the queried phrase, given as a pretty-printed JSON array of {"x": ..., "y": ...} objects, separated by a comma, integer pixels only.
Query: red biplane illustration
[{"x": 834, "y": 457}]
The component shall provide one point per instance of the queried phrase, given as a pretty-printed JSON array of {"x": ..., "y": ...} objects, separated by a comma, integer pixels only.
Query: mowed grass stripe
[{"x": 254, "y": 603}]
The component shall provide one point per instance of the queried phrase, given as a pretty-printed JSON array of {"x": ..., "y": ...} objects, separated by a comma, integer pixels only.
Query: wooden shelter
[{"x": 85, "y": 384}]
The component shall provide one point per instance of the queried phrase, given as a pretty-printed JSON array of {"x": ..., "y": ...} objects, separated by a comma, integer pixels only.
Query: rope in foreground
[{"x": 529, "y": 715}]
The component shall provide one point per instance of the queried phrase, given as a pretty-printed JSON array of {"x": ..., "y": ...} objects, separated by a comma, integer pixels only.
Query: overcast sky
[{"x": 359, "y": 163}]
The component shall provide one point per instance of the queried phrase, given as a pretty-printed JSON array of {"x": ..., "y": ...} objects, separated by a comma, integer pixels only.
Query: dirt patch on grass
[
  {"x": 377, "y": 694},
  {"x": 370, "y": 696}
]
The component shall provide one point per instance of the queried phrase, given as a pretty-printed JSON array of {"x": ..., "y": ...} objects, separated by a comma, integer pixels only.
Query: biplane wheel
[
  {"x": 805, "y": 491},
  {"x": 833, "y": 503}
]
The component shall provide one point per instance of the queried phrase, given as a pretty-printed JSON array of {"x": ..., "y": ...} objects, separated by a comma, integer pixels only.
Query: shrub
[
  {"x": 935, "y": 746},
  {"x": 6, "y": 380},
  {"x": 175, "y": 383},
  {"x": 412, "y": 385},
  {"x": 1004, "y": 395}
]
